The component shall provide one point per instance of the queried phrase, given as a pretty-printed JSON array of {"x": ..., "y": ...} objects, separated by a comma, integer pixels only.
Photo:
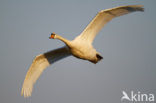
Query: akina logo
[{"x": 137, "y": 97}]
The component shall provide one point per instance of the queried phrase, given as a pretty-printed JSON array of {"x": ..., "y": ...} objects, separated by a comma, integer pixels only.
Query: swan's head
[
  {"x": 56, "y": 36},
  {"x": 53, "y": 36}
]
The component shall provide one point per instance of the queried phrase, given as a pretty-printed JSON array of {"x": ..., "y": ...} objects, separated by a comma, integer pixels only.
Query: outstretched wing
[
  {"x": 103, "y": 17},
  {"x": 38, "y": 65}
]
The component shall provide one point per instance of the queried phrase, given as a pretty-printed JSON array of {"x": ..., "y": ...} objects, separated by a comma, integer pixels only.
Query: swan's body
[
  {"x": 83, "y": 50},
  {"x": 81, "y": 47}
]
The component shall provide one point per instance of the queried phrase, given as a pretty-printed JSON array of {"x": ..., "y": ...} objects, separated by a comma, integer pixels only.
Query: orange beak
[{"x": 52, "y": 36}]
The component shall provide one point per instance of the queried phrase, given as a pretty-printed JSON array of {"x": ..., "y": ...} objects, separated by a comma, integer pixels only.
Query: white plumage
[{"x": 81, "y": 47}]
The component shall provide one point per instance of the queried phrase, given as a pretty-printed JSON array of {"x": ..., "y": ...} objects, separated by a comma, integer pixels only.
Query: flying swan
[{"x": 81, "y": 47}]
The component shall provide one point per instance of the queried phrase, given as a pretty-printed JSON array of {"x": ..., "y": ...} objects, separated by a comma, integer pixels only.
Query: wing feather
[
  {"x": 38, "y": 65},
  {"x": 103, "y": 17}
]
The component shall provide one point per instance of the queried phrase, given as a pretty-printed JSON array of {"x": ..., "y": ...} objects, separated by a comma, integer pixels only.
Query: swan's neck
[{"x": 67, "y": 42}]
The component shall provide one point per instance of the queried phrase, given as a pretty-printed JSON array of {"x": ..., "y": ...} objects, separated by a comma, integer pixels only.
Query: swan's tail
[{"x": 99, "y": 57}]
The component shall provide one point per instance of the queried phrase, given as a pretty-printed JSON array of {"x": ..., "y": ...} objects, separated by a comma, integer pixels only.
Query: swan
[{"x": 81, "y": 47}]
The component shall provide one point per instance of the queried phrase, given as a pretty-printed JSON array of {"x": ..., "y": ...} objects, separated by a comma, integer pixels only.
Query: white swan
[{"x": 81, "y": 47}]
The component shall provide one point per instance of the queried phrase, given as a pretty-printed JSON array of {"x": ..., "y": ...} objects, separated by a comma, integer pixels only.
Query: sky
[{"x": 127, "y": 43}]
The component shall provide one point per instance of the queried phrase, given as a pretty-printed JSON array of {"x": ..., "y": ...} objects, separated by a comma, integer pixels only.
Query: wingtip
[
  {"x": 142, "y": 9},
  {"x": 26, "y": 92},
  {"x": 22, "y": 92},
  {"x": 135, "y": 8},
  {"x": 139, "y": 7}
]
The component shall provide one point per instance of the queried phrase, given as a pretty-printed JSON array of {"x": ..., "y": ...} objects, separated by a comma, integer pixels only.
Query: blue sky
[{"x": 127, "y": 43}]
